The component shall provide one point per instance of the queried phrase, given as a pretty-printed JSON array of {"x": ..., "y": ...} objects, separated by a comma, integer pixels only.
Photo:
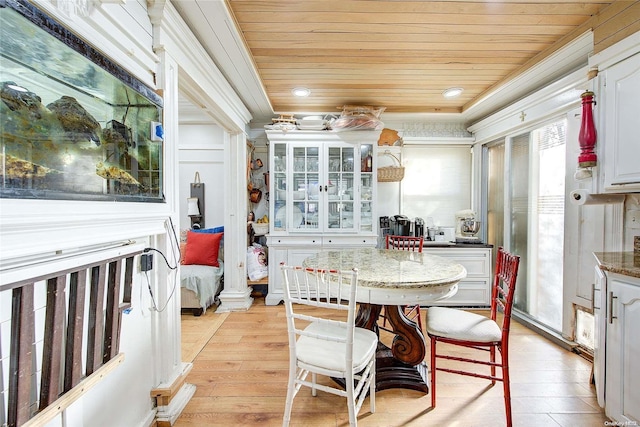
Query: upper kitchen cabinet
[
  {"x": 322, "y": 182},
  {"x": 620, "y": 102}
]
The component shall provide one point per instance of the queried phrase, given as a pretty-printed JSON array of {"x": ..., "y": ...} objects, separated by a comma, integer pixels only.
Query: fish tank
[{"x": 73, "y": 124}]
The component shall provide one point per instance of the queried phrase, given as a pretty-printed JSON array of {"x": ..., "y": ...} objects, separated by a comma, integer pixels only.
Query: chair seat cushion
[
  {"x": 330, "y": 354},
  {"x": 462, "y": 325}
]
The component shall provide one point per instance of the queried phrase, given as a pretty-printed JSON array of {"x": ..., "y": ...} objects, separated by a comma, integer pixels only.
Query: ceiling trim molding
[
  {"x": 200, "y": 80},
  {"x": 551, "y": 100},
  {"x": 214, "y": 24}
]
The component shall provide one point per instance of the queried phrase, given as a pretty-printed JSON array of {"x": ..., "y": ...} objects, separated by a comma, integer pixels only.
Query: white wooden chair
[{"x": 326, "y": 346}]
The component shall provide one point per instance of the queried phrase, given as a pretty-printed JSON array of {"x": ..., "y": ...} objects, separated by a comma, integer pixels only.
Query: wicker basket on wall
[{"x": 393, "y": 173}]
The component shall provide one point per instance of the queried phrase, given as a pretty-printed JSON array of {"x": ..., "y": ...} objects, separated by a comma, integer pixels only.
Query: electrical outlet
[
  {"x": 633, "y": 219},
  {"x": 146, "y": 262}
]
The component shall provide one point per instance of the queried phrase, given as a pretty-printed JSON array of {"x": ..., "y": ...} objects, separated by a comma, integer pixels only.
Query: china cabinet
[{"x": 322, "y": 195}]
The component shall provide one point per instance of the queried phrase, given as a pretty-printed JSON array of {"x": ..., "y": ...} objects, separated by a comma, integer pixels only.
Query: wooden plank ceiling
[{"x": 399, "y": 54}]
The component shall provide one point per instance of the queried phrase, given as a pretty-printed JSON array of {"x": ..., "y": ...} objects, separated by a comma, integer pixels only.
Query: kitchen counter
[{"x": 626, "y": 263}]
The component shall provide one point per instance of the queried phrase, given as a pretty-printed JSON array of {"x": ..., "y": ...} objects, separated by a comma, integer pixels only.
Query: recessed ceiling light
[
  {"x": 301, "y": 91},
  {"x": 452, "y": 92}
]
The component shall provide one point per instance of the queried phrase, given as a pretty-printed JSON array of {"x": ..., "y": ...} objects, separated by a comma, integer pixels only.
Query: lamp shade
[{"x": 192, "y": 206}]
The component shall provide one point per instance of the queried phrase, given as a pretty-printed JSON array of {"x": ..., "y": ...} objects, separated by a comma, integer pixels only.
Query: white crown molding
[
  {"x": 199, "y": 79},
  {"x": 213, "y": 22},
  {"x": 559, "y": 96}
]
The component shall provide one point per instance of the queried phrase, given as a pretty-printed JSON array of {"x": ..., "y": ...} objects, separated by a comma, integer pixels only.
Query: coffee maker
[
  {"x": 400, "y": 225},
  {"x": 467, "y": 227},
  {"x": 418, "y": 227}
]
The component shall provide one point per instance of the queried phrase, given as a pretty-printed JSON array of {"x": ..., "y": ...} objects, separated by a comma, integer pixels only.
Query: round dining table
[{"x": 393, "y": 279}]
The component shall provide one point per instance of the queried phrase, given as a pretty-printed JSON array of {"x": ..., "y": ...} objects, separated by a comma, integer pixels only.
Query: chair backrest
[
  {"x": 404, "y": 243},
  {"x": 323, "y": 289},
  {"x": 503, "y": 289}
]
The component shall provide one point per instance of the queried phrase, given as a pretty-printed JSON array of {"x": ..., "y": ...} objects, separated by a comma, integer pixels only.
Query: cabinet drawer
[
  {"x": 331, "y": 242},
  {"x": 295, "y": 241},
  {"x": 476, "y": 267},
  {"x": 477, "y": 262},
  {"x": 470, "y": 293}
]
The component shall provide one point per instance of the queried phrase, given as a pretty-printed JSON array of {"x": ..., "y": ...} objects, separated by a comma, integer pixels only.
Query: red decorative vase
[{"x": 587, "y": 136}]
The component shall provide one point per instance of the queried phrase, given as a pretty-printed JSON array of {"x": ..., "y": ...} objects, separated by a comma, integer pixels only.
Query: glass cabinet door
[
  {"x": 279, "y": 184},
  {"x": 305, "y": 189},
  {"x": 340, "y": 188},
  {"x": 366, "y": 187},
  {"x": 322, "y": 187}
]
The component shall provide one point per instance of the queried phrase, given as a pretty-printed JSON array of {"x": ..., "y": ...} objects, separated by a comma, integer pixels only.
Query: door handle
[{"x": 611, "y": 298}]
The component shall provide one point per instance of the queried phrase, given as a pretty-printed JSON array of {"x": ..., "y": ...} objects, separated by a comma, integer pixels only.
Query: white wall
[{"x": 201, "y": 149}]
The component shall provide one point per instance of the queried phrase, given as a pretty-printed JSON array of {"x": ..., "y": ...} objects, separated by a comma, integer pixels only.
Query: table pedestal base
[
  {"x": 402, "y": 365},
  {"x": 393, "y": 373}
]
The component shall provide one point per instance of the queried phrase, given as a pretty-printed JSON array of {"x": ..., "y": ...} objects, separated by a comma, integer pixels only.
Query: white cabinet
[
  {"x": 322, "y": 196},
  {"x": 617, "y": 344},
  {"x": 475, "y": 289},
  {"x": 292, "y": 250},
  {"x": 620, "y": 92},
  {"x": 622, "y": 393},
  {"x": 322, "y": 181},
  {"x": 599, "y": 315}
]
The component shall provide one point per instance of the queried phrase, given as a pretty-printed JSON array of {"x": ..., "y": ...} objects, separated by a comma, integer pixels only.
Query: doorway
[{"x": 525, "y": 179}]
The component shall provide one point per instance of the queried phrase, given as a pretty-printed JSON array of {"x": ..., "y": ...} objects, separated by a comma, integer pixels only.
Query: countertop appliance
[
  {"x": 400, "y": 225},
  {"x": 467, "y": 227},
  {"x": 418, "y": 227}
]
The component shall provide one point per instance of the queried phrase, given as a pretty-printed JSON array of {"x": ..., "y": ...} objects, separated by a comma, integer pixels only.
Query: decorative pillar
[{"x": 587, "y": 136}]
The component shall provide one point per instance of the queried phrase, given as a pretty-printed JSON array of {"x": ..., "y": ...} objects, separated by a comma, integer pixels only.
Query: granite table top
[
  {"x": 391, "y": 269},
  {"x": 626, "y": 263}
]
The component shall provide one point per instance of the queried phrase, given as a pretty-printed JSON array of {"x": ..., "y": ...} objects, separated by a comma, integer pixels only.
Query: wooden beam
[
  {"x": 112, "y": 312},
  {"x": 53, "y": 341},
  {"x": 21, "y": 356},
  {"x": 75, "y": 322},
  {"x": 163, "y": 395},
  {"x": 96, "y": 318}
]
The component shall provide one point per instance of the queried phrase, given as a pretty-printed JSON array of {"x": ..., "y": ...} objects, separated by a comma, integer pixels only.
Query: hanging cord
[{"x": 174, "y": 243}]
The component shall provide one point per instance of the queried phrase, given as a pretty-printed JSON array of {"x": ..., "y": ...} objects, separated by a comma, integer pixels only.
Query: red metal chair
[
  {"x": 462, "y": 328},
  {"x": 405, "y": 243}
]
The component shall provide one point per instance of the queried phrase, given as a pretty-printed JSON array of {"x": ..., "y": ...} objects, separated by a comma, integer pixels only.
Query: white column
[
  {"x": 236, "y": 294},
  {"x": 169, "y": 369}
]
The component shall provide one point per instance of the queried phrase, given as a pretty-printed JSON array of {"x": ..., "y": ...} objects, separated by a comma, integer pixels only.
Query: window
[{"x": 437, "y": 182}]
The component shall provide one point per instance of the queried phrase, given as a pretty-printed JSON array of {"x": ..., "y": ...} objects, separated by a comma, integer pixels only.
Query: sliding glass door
[{"x": 525, "y": 214}]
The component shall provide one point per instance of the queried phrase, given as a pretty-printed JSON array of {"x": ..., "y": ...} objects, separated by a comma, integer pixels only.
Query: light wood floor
[{"x": 240, "y": 369}]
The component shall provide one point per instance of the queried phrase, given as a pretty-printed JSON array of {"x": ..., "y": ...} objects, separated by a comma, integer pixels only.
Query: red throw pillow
[{"x": 202, "y": 248}]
